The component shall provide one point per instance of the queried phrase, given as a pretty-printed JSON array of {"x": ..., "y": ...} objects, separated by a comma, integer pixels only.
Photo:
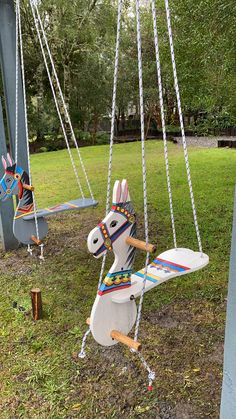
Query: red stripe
[
  {"x": 172, "y": 263},
  {"x": 113, "y": 289},
  {"x": 20, "y": 190}
]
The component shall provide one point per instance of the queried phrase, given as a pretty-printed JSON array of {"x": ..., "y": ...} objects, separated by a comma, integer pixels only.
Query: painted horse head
[
  {"x": 13, "y": 179},
  {"x": 115, "y": 228}
]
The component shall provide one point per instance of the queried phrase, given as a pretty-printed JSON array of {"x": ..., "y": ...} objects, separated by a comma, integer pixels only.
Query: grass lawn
[{"x": 183, "y": 321}]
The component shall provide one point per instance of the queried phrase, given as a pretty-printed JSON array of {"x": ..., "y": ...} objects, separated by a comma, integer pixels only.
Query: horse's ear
[
  {"x": 116, "y": 199},
  {"x": 125, "y": 191},
  {"x": 9, "y": 159},
  {"x": 4, "y": 162}
]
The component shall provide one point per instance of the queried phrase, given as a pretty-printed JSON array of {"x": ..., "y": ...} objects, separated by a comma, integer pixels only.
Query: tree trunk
[{"x": 95, "y": 128}]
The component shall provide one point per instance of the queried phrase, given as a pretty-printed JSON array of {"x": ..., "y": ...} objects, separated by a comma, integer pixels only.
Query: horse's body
[
  {"x": 114, "y": 307},
  {"x": 12, "y": 183}
]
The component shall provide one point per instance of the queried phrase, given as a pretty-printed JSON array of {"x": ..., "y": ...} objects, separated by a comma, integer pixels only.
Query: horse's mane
[{"x": 133, "y": 233}]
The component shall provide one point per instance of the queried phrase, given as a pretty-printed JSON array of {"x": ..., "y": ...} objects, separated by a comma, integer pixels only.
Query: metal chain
[
  {"x": 113, "y": 116},
  {"x": 17, "y": 81},
  {"x": 63, "y": 100},
  {"x": 55, "y": 97},
  {"x": 163, "y": 123},
  {"x": 144, "y": 172},
  {"x": 25, "y": 112},
  {"x": 177, "y": 91}
]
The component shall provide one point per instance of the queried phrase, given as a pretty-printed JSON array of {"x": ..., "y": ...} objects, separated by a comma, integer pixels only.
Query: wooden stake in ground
[{"x": 36, "y": 299}]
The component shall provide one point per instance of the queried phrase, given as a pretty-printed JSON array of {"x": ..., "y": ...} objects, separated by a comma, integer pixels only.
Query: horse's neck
[
  {"x": 124, "y": 258},
  {"x": 120, "y": 263}
]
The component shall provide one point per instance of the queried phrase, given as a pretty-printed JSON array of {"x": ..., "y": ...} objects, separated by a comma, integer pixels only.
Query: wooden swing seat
[
  {"x": 76, "y": 204},
  {"x": 168, "y": 265}
]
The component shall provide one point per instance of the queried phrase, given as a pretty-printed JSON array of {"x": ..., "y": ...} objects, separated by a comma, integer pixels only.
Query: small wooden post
[{"x": 36, "y": 299}]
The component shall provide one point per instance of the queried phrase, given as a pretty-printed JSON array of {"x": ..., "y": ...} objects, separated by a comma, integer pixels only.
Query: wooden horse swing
[
  {"x": 114, "y": 312},
  {"x": 29, "y": 225}
]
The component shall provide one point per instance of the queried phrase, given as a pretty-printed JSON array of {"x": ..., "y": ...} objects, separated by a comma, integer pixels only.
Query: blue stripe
[
  {"x": 147, "y": 277},
  {"x": 110, "y": 275},
  {"x": 105, "y": 287},
  {"x": 119, "y": 231}
]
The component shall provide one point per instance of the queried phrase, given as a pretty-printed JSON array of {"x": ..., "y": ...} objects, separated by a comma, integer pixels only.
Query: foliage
[{"x": 82, "y": 37}]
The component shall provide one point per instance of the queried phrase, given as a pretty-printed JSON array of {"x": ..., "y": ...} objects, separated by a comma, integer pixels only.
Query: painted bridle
[
  {"x": 109, "y": 239},
  {"x": 8, "y": 187}
]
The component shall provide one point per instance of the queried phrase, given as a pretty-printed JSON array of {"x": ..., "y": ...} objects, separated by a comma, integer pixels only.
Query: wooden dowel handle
[
  {"x": 125, "y": 340},
  {"x": 37, "y": 307},
  {"x": 151, "y": 248},
  {"x": 35, "y": 240},
  {"x": 88, "y": 321},
  {"x": 28, "y": 187}
]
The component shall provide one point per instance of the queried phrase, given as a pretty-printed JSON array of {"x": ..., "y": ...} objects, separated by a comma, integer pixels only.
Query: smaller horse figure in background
[{"x": 16, "y": 182}]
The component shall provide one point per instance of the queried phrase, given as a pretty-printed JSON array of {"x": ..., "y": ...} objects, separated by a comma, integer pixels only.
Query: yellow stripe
[
  {"x": 71, "y": 205},
  {"x": 151, "y": 275},
  {"x": 23, "y": 215}
]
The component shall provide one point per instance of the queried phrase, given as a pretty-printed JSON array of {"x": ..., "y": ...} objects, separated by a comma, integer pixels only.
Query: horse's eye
[
  {"x": 113, "y": 223},
  {"x": 8, "y": 180}
]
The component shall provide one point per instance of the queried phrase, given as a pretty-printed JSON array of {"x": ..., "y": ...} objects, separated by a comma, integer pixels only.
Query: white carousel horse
[{"x": 114, "y": 307}]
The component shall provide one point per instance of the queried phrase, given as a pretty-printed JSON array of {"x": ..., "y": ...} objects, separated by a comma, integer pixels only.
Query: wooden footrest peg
[
  {"x": 139, "y": 244},
  {"x": 28, "y": 187},
  {"x": 88, "y": 321},
  {"x": 36, "y": 241},
  {"x": 126, "y": 340}
]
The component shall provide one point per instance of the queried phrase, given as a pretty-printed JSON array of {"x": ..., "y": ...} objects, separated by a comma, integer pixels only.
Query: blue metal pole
[
  {"x": 6, "y": 208},
  {"x": 8, "y": 68},
  {"x": 228, "y": 400}
]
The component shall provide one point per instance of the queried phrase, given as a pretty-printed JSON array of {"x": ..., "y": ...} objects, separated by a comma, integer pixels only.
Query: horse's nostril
[{"x": 95, "y": 241}]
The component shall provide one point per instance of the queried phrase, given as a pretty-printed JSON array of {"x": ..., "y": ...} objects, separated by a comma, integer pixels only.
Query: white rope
[
  {"x": 151, "y": 373},
  {"x": 82, "y": 353},
  {"x": 163, "y": 123},
  {"x": 168, "y": 18},
  {"x": 55, "y": 97},
  {"x": 17, "y": 81},
  {"x": 63, "y": 100},
  {"x": 144, "y": 172},
  {"x": 113, "y": 116},
  {"x": 26, "y": 118}
]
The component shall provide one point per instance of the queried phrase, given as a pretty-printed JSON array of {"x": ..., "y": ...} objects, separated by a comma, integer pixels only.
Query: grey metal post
[
  {"x": 8, "y": 67},
  {"x": 228, "y": 400},
  {"x": 6, "y": 208}
]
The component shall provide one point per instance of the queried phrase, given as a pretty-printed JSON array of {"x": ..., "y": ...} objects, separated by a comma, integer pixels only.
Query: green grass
[{"x": 183, "y": 321}]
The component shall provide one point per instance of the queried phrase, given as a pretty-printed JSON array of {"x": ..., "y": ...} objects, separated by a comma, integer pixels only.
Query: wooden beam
[
  {"x": 125, "y": 340},
  {"x": 139, "y": 244}
]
